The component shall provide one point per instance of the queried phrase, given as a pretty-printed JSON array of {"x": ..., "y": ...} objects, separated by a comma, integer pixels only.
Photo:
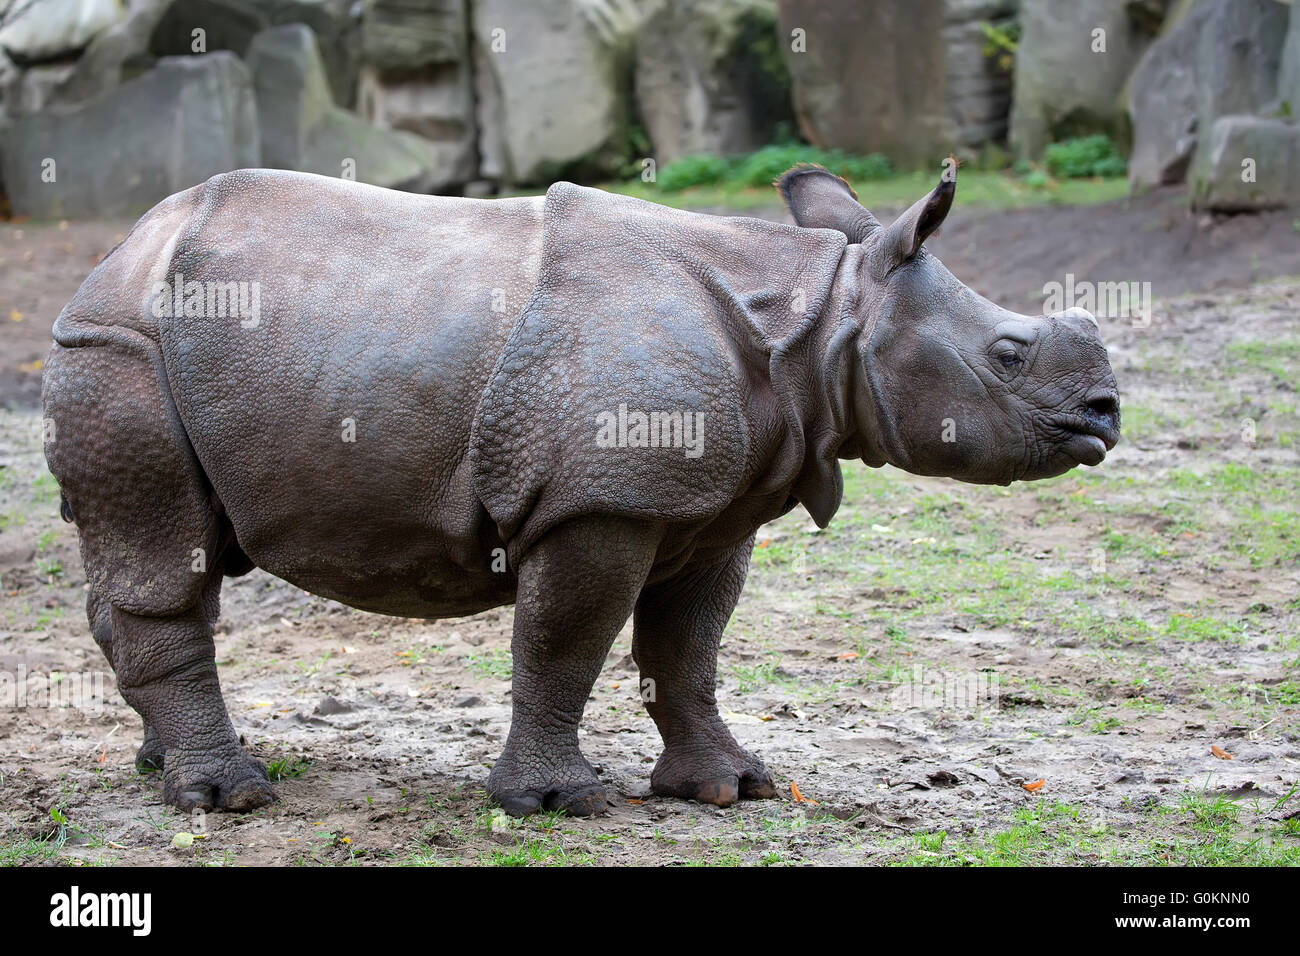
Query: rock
[
  {"x": 51, "y": 29},
  {"x": 907, "y": 78},
  {"x": 1161, "y": 100},
  {"x": 710, "y": 77},
  {"x": 1288, "y": 79},
  {"x": 338, "y": 36},
  {"x": 117, "y": 55},
  {"x": 550, "y": 77},
  {"x": 976, "y": 91},
  {"x": 420, "y": 82},
  {"x": 11, "y": 78},
  {"x": 1222, "y": 57},
  {"x": 303, "y": 129},
  {"x": 1148, "y": 15},
  {"x": 866, "y": 76},
  {"x": 33, "y": 89},
  {"x": 1068, "y": 76},
  {"x": 411, "y": 34},
  {"x": 437, "y": 106},
  {"x": 1238, "y": 55},
  {"x": 232, "y": 24},
  {"x": 105, "y": 156},
  {"x": 225, "y": 25},
  {"x": 329, "y": 706},
  {"x": 1246, "y": 164}
]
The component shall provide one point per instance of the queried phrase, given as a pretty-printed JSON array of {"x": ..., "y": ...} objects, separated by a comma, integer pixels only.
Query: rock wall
[{"x": 473, "y": 95}]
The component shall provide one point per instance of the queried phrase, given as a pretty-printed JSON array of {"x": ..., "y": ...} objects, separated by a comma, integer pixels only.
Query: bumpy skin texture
[{"x": 409, "y": 424}]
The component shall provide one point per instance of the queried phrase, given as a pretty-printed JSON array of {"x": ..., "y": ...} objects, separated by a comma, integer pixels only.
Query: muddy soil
[{"x": 1100, "y": 669}]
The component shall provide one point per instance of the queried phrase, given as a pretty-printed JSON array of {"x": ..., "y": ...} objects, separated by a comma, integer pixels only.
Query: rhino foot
[
  {"x": 151, "y": 757},
  {"x": 523, "y": 787},
  {"x": 223, "y": 780},
  {"x": 711, "y": 771}
]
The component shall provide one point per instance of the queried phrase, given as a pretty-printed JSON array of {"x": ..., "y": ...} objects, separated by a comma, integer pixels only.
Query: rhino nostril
[{"x": 1106, "y": 406}]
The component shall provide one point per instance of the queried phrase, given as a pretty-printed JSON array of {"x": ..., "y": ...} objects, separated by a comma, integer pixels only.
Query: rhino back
[{"x": 340, "y": 393}]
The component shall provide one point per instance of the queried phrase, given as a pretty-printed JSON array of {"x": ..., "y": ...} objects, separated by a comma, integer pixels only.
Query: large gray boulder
[
  {"x": 709, "y": 76},
  {"x": 232, "y": 24},
  {"x": 551, "y": 78},
  {"x": 52, "y": 29},
  {"x": 1221, "y": 58},
  {"x": 904, "y": 77},
  {"x": 1161, "y": 102},
  {"x": 186, "y": 120},
  {"x": 303, "y": 129},
  {"x": 1069, "y": 76},
  {"x": 338, "y": 35},
  {"x": 867, "y": 75},
  {"x": 1238, "y": 55},
  {"x": 417, "y": 76},
  {"x": 1247, "y": 163}
]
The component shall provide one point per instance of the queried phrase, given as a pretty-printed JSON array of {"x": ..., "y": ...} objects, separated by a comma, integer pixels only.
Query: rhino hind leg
[
  {"x": 152, "y": 544},
  {"x": 577, "y": 588},
  {"x": 678, "y": 627},
  {"x": 151, "y": 755},
  {"x": 167, "y": 670}
]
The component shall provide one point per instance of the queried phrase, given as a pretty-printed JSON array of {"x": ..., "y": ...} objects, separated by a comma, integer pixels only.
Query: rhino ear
[
  {"x": 818, "y": 199},
  {"x": 904, "y": 237}
]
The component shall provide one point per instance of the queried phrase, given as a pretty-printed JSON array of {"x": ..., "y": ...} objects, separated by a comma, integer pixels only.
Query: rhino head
[{"x": 946, "y": 382}]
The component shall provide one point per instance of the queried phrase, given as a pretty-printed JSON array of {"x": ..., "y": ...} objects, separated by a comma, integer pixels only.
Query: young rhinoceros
[{"x": 584, "y": 405}]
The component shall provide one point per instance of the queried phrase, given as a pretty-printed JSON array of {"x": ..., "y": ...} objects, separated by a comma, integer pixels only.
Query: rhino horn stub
[
  {"x": 904, "y": 237},
  {"x": 818, "y": 199}
]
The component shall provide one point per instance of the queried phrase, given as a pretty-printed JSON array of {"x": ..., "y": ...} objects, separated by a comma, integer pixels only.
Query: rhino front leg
[
  {"x": 577, "y": 588},
  {"x": 678, "y": 627},
  {"x": 166, "y": 669}
]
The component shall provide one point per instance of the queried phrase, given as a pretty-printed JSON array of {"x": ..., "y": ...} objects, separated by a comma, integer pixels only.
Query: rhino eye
[{"x": 1009, "y": 359}]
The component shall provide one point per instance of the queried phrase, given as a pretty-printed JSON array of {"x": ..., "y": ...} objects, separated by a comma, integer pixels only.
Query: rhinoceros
[{"x": 581, "y": 404}]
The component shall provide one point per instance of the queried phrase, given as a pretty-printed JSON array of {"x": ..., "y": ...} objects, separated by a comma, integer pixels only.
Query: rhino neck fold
[{"x": 828, "y": 392}]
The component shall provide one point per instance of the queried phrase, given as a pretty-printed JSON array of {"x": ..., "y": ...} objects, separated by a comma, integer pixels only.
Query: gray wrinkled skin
[{"x": 409, "y": 424}]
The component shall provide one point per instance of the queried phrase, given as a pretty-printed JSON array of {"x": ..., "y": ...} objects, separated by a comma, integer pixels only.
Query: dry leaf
[
  {"x": 635, "y": 803},
  {"x": 1035, "y": 786},
  {"x": 1220, "y": 752},
  {"x": 849, "y": 656},
  {"x": 799, "y": 797}
]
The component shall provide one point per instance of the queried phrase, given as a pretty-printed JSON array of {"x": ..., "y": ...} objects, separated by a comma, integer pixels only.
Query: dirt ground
[{"x": 1099, "y": 669}]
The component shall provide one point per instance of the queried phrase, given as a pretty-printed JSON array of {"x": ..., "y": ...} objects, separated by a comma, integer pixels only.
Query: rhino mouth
[{"x": 1087, "y": 442}]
